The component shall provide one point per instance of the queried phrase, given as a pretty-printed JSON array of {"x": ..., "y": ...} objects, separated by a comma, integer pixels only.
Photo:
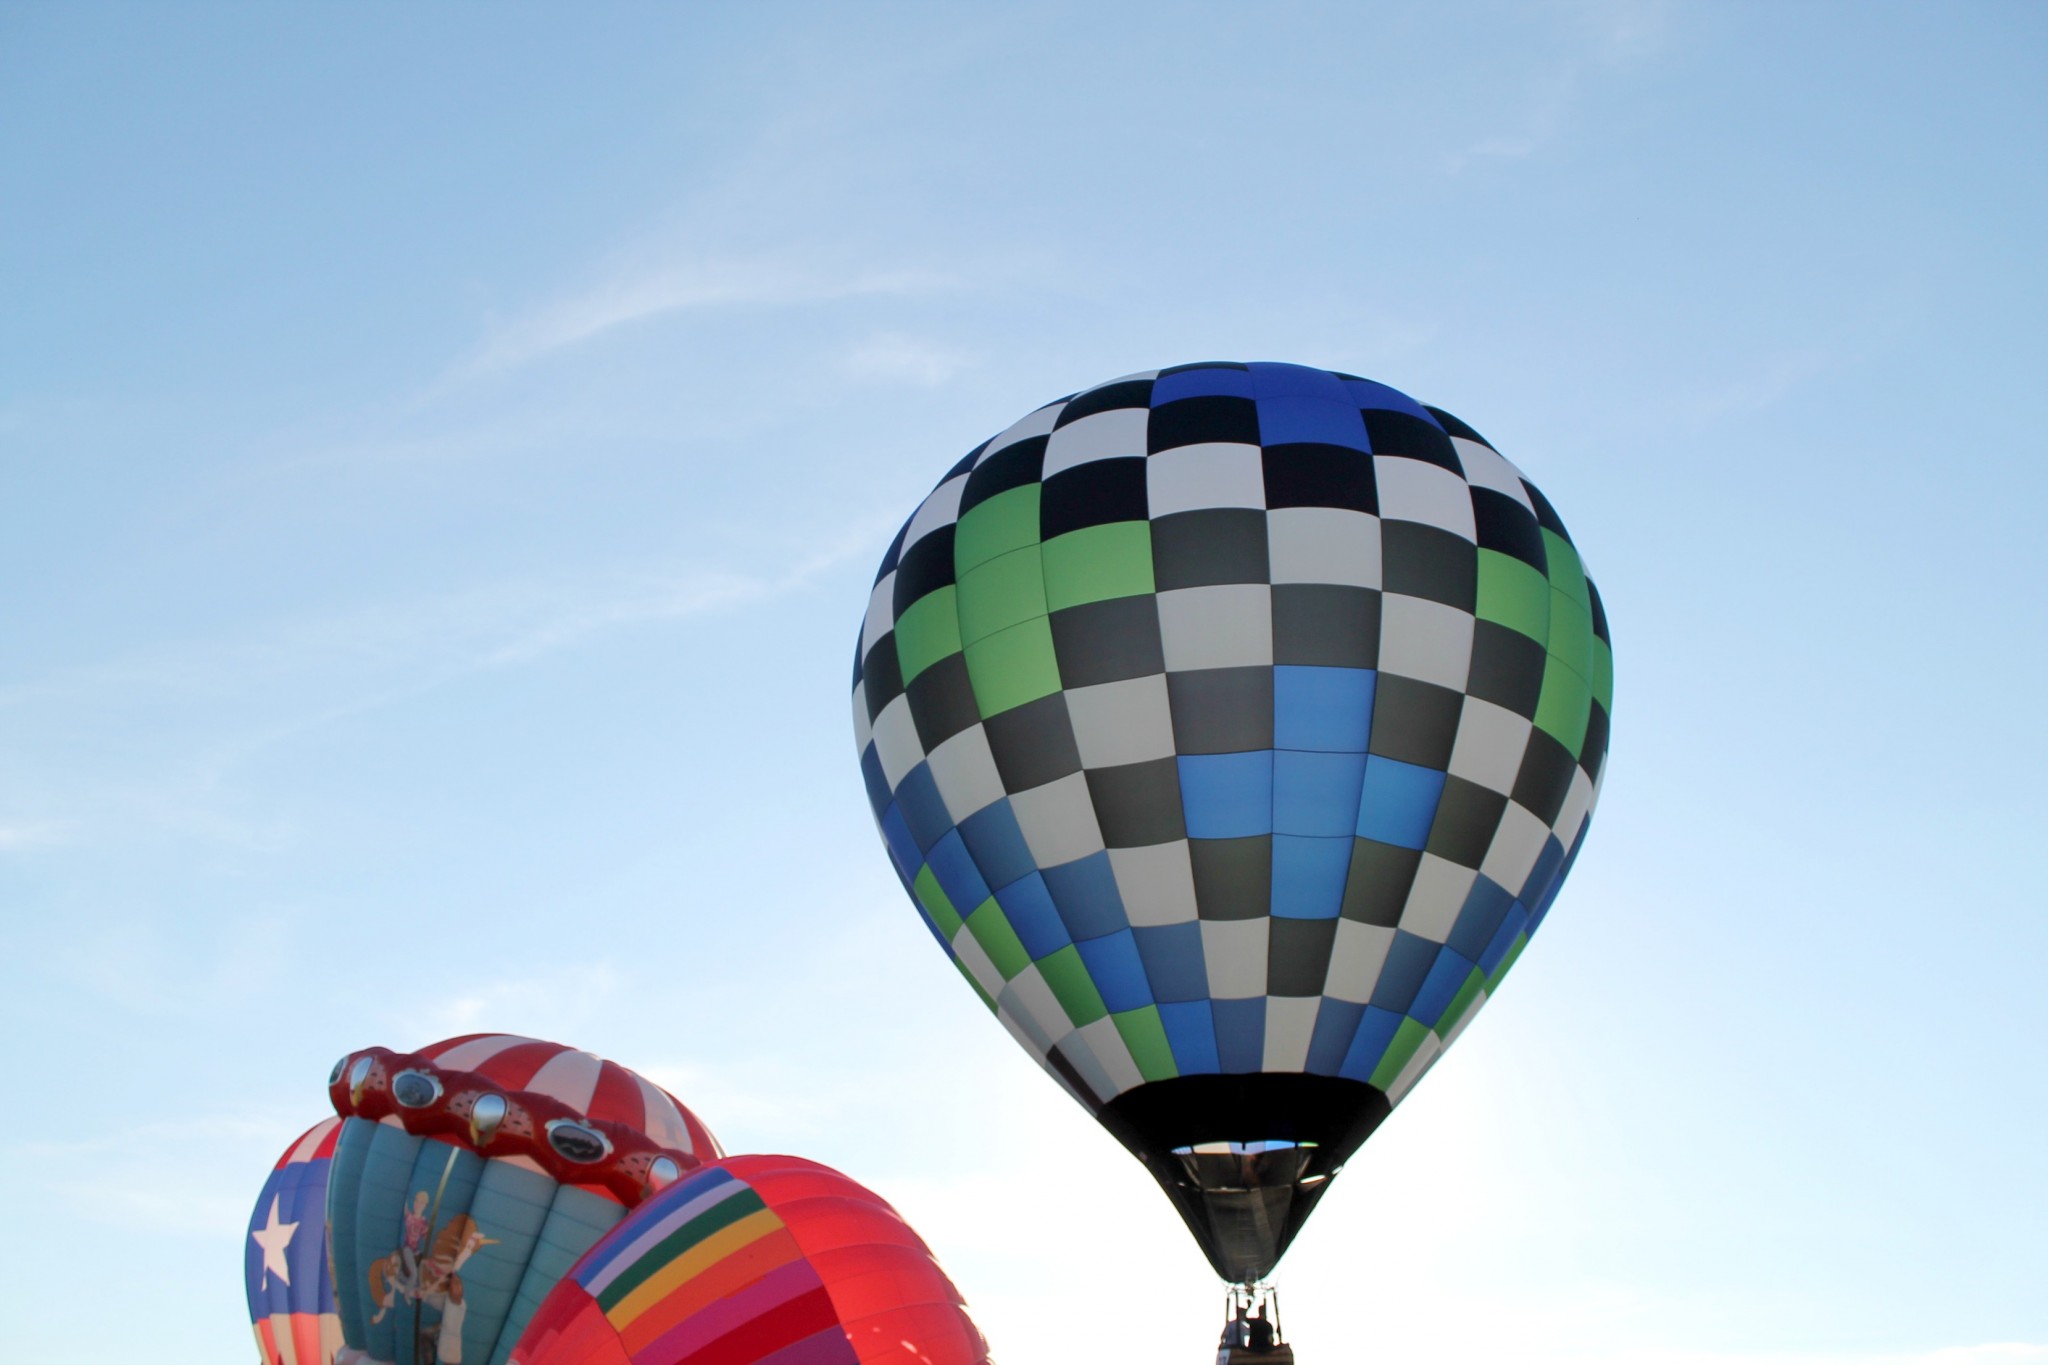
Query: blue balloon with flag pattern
[{"x": 286, "y": 1268}]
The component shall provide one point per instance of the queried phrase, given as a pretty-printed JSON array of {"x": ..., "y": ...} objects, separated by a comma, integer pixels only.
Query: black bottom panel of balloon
[
  {"x": 1245, "y": 1158},
  {"x": 1329, "y": 1111}
]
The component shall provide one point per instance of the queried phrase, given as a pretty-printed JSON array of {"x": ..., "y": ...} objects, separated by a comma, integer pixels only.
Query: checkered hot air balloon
[
  {"x": 284, "y": 1261},
  {"x": 756, "y": 1260},
  {"x": 1232, "y": 727},
  {"x": 470, "y": 1175}
]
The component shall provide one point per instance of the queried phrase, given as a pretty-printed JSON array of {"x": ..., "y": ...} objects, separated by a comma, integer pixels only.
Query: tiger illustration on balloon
[{"x": 433, "y": 1280}]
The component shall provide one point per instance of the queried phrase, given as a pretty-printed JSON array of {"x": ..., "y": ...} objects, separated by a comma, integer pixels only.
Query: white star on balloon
[{"x": 274, "y": 1237}]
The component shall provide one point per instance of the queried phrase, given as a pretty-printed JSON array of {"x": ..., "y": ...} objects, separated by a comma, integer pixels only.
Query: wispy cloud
[
  {"x": 423, "y": 641},
  {"x": 894, "y": 357},
  {"x": 675, "y": 286},
  {"x": 1763, "y": 386},
  {"x": 1541, "y": 117},
  {"x": 164, "y": 1200},
  {"x": 553, "y": 1004},
  {"x": 1991, "y": 1353},
  {"x": 139, "y": 965},
  {"x": 186, "y": 1176},
  {"x": 1603, "y": 35},
  {"x": 1623, "y": 31},
  {"x": 210, "y": 706},
  {"x": 768, "y": 1101},
  {"x": 19, "y": 836}
]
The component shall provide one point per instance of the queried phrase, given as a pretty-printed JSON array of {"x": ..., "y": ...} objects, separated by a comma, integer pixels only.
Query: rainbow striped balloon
[{"x": 752, "y": 1261}]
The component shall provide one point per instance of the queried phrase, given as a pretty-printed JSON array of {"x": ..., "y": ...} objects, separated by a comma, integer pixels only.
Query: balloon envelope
[
  {"x": 1232, "y": 727},
  {"x": 468, "y": 1178},
  {"x": 285, "y": 1264},
  {"x": 757, "y": 1259}
]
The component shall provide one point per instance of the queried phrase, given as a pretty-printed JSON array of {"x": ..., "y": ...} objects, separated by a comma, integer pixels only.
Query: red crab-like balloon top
[{"x": 581, "y": 1119}]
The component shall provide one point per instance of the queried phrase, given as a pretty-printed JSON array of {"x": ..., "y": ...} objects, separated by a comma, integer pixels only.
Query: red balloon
[{"x": 756, "y": 1260}]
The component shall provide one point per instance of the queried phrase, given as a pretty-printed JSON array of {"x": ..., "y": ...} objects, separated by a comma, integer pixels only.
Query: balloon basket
[{"x": 1251, "y": 1328}]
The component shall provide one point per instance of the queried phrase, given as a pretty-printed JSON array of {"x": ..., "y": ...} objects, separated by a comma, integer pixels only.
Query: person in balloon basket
[
  {"x": 1252, "y": 1331},
  {"x": 1252, "y": 1336}
]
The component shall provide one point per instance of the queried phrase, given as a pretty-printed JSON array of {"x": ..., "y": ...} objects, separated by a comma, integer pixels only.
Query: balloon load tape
[{"x": 471, "y": 1111}]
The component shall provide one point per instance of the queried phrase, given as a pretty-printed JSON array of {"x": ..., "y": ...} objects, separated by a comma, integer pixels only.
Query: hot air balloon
[
  {"x": 285, "y": 1265},
  {"x": 1232, "y": 727},
  {"x": 468, "y": 1176},
  {"x": 751, "y": 1260}
]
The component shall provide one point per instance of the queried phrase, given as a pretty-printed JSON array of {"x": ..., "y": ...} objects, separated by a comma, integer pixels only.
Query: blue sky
[{"x": 446, "y": 452}]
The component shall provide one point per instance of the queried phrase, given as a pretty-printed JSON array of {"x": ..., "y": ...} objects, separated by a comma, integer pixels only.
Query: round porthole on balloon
[
  {"x": 577, "y": 1142},
  {"x": 415, "y": 1089}
]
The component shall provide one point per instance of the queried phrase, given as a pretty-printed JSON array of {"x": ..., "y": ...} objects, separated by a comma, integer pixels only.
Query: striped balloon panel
[
  {"x": 291, "y": 1293},
  {"x": 756, "y": 1259},
  {"x": 717, "y": 1267},
  {"x": 298, "y": 1339},
  {"x": 894, "y": 1301},
  {"x": 585, "y": 1082}
]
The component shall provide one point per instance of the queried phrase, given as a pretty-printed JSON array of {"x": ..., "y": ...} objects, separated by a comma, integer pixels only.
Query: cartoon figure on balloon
[
  {"x": 414, "y": 1239},
  {"x": 431, "y": 1281}
]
